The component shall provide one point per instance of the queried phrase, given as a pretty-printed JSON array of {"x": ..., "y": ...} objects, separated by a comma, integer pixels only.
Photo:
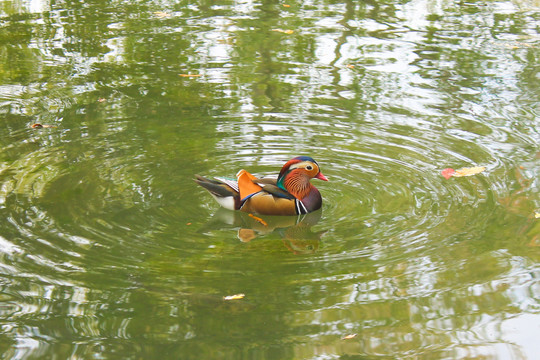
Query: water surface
[{"x": 109, "y": 250}]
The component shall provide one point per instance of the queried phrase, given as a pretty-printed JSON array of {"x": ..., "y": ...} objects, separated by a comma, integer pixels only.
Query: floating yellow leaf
[
  {"x": 537, "y": 215},
  {"x": 283, "y": 31},
  {"x": 234, "y": 297},
  {"x": 469, "y": 171},
  {"x": 189, "y": 75},
  {"x": 347, "y": 337},
  {"x": 162, "y": 15},
  {"x": 286, "y": 5}
]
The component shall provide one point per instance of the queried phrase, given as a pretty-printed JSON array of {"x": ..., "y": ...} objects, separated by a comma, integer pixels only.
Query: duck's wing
[{"x": 270, "y": 186}]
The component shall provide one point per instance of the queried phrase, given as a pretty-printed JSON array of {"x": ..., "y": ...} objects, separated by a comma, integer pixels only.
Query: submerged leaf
[{"x": 234, "y": 297}]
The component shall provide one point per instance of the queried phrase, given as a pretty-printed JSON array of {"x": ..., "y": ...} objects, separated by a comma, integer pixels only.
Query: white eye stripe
[{"x": 302, "y": 165}]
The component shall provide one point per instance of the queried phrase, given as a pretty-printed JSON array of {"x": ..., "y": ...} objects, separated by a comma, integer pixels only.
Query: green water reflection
[{"x": 109, "y": 250}]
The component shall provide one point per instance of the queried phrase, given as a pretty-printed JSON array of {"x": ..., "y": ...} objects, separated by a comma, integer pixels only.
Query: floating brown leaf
[
  {"x": 39, "y": 126},
  {"x": 283, "y": 31},
  {"x": 234, "y": 297}
]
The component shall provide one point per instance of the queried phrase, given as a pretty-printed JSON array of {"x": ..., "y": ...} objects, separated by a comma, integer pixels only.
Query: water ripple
[{"x": 101, "y": 212}]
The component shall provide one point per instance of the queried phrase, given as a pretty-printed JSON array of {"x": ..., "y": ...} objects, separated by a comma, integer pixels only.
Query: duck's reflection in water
[{"x": 295, "y": 231}]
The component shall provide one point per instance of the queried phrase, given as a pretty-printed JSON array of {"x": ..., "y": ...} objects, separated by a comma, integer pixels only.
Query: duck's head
[{"x": 301, "y": 168}]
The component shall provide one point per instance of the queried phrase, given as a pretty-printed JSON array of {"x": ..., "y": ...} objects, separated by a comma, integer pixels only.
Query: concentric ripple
[
  {"x": 108, "y": 247},
  {"x": 385, "y": 180}
]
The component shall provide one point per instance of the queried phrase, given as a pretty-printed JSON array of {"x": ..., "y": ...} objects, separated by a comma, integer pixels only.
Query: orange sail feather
[{"x": 246, "y": 186}]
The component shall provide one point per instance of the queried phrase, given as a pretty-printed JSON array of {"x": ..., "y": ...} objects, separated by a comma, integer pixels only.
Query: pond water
[{"x": 109, "y": 250}]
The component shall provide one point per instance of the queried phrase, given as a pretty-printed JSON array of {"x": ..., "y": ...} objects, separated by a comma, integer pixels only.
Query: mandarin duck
[{"x": 290, "y": 194}]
